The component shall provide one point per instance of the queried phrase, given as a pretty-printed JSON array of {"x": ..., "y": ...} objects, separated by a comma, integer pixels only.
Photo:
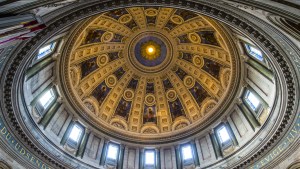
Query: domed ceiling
[{"x": 149, "y": 70}]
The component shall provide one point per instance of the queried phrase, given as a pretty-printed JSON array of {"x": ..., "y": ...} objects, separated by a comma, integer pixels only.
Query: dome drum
[{"x": 154, "y": 82}]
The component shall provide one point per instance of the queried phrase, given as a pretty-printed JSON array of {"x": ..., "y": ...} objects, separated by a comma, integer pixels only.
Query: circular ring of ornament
[
  {"x": 171, "y": 95},
  {"x": 102, "y": 60},
  {"x": 107, "y": 37},
  {"x": 151, "y": 12},
  {"x": 125, "y": 18},
  {"x": 150, "y": 99},
  {"x": 189, "y": 81},
  {"x": 194, "y": 37},
  {"x": 111, "y": 81},
  {"x": 177, "y": 19},
  {"x": 198, "y": 61},
  {"x": 128, "y": 95}
]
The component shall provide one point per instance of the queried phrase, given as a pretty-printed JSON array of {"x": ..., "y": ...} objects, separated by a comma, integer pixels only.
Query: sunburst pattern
[{"x": 183, "y": 88}]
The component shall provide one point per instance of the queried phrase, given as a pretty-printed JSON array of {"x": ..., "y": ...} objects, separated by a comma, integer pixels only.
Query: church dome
[
  {"x": 138, "y": 84},
  {"x": 150, "y": 72}
]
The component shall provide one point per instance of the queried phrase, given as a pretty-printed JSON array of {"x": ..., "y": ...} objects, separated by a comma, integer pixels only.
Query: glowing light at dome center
[{"x": 150, "y": 50}]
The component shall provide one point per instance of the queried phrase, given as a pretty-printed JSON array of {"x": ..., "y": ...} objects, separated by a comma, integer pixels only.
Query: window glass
[
  {"x": 187, "y": 152},
  {"x": 256, "y": 53},
  {"x": 47, "y": 98},
  {"x": 45, "y": 50},
  {"x": 149, "y": 157},
  {"x": 75, "y": 133},
  {"x": 223, "y": 134},
  {"x": 112, "y": 152},
  {"x": 252, "y": 100}
]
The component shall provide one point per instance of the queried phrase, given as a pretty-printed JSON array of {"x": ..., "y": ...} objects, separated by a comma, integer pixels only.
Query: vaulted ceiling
[{"x": 149, "y": 70}]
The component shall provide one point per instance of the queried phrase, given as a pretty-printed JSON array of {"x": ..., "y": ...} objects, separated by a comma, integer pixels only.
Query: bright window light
[
  {"x": 252, "y": 100},
  {"x": 254, "y": 52},
  {"x": 75, "y": 133},
  {"x": 187, "y": 152},
  {"x": 47, "y": 98},
  {"x": 223, "y": 134},
  {"x": 112, "y": 151},
  {"x": 45, "y": 50},
  {"x": 149, "y": 158}
]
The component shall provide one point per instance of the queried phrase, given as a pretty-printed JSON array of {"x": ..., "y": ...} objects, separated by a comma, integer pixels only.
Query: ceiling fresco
[{"x": 150, "y": 70}]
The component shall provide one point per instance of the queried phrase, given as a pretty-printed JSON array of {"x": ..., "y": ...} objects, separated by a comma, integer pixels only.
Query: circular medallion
[
  {"x": 102, "y": 60},
  {"x": 198, "y": 61},
  {"x": 107, "y": 37},
  {"x": 171, "y": 95},
  {"x": 111, "y": 81},
  {"x": 177, "y": 19},
  {"x": 194, "y": 37},
  {"x": 189, "y": 81},
  {"x": 125, "y": 18},
  {"x": 151, "y": 12},
  {"x": 128, "y": 94},
  {"x": 150, "y": 99}
]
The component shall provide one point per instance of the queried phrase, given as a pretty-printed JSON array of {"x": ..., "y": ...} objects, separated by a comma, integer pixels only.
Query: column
[
  {"x": 216, "y": 145},
  {"x": 157, "y": 152},
  {"x": 67, "y": 133},
  {"x": 50, "y": 113},
  {"x": 195, "y": 154},
  {"x": 83, "y": 143},
  {"x": 141, "y": 159},
  {"x": 249, "y": 116},
  {"x": 178, "y": 157},
  {"x": 121, "y": 157},
  {"x": 104, "y": 152}
]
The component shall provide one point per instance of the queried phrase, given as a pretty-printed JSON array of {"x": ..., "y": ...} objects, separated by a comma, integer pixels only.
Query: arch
[
  {"x": 119, "y": 123},
  {"x": 180, "y": 122}
]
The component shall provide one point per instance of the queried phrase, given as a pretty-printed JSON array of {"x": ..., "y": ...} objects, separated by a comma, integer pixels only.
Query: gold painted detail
[{"x": 158, "y": 86}]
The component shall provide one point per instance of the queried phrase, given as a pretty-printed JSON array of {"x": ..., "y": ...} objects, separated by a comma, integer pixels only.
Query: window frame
[
  {"x": 246, "y": 101},
  {"x": 53, "y": 46},
  {"x": 228, "y": 143},
  {"x": 248, "y": 47},
  {"x": 109, "y": 160},
  {"x": 72, "y": 143},
  {"x": 189, "y": 161},
  {"x": 247, "y": 53},
  {"x": 41, "y": 110},
  {"x": 150, "y": 166}
]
